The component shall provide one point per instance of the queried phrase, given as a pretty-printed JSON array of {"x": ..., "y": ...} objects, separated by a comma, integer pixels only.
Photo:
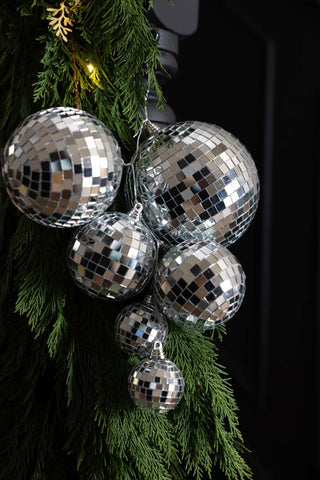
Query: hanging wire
[
  {"x": 153, "y": 128},
  {"x": 138, "y": 136}
]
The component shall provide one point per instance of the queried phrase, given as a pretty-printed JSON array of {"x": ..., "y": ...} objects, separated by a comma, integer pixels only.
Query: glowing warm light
[{"x": 90, "y": 67}]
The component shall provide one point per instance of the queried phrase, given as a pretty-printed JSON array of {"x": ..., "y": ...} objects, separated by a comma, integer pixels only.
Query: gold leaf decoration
[{"x": 60, "y": 21}]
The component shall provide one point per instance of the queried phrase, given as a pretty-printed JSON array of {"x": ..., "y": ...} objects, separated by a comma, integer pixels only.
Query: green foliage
[
  {"x": 55, "y": 85},
  {"x": 65, "y": 412},
  {"x": 19, "y": 63},
  {"x": 115, "y": 37},
  {"x": 208, "y": 417}
]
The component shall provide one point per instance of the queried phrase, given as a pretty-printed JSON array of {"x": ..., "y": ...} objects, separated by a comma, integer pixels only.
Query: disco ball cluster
[{"x": 194, "y": 189}]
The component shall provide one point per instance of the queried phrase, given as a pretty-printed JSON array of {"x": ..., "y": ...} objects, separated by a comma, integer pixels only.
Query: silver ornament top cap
[
  {"x": 136, "y": 212},
  {"x": 151, "y": 128},
  {"x": 157, "y": 351},
  {"x": 148, "y": 300}
]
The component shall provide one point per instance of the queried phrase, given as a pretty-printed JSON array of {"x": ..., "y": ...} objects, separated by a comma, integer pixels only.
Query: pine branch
[
  {"x": 19, "y": 62},
  {"x": 59, "y": 331},
  {"x": 116, "y": 38},
  {"x": 135, "y": 53},
  {"x": 208, "y": 418}
]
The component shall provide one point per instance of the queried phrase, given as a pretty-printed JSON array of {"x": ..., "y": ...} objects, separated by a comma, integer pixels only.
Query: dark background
[{"x": 253, "y": 67}]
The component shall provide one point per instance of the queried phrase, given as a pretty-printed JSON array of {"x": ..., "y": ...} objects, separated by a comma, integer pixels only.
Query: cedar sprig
[{"x": 60, "y": 21}]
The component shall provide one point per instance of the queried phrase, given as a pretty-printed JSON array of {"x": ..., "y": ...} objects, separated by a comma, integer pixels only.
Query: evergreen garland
[{"x": 64, "y": 409}]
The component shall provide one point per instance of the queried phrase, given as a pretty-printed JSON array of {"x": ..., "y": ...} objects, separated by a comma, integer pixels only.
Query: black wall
[{"x": 253, "y": 68}]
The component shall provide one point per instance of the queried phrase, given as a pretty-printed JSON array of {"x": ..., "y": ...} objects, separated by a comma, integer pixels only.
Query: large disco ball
[
  {"x": 199, "y": 285},
  {"x": 62, "y": 167},
  {"x": 196, "y": 181}
]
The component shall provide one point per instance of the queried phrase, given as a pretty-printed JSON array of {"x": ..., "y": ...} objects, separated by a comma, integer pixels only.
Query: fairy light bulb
[{"x": 90, "y": 67}]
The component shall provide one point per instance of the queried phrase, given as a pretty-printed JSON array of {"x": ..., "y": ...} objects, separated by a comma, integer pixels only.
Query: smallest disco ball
[{"x": 156, "y": 384}]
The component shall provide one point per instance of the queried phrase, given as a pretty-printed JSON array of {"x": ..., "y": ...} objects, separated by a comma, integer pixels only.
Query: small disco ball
[
  {"x": 156, "y": 384},
  {"x": 196, "y": 181},
  {"x": 113, "y": 256},
  {"x": 138, "y": 326},
  {"x": 199, "y": 284},
  {"x": 62, "y": 167}
]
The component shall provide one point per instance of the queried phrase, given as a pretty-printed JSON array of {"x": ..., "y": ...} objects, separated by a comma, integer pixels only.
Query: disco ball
[
  {"x": 113, "y": 256},
  {"x": 199, "y": 285},
  {"x": 62, "y": 167},
  {"x": 138, "y": 326},
  {"x": 196, "y": 181},
  {"x": 156, "y": 384}
]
